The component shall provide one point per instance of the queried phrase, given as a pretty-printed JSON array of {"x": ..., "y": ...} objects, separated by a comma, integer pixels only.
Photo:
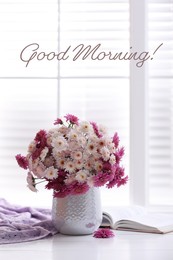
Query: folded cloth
[{"x": 22, "y": 224}]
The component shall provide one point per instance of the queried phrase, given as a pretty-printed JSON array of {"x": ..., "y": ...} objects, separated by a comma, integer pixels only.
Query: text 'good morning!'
[{"x": 84, "y": 52}]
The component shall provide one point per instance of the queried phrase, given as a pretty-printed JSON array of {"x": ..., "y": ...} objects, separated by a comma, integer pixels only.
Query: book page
[
  {"x": 124, "y": 212},
  {"x": 140, "y": 215},
  {"x": 154, "y": 219}
]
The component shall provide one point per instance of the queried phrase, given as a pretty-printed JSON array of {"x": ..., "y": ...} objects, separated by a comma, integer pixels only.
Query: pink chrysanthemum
[
  {"x": 118, "y": 179},
  {"x": 112, "y": 183},
  {"x": 95, "y": 128},
  {"x": 62, "y": 192},
  {"x": 103, "y": 233},
  {"x": 22, "y": 161},
  {"x": 36, "y": 153},
  {"x": 41, "y": 143},
  {"x": 116, "y": 140},
  {"x": 40, "y": 136},
  {"x": 57, "y": 183},
  {"x": 101, "y": 178},
  {"x": 78, "y": 188},
  {"x": 58, "y": 121},
  {"x": 72, "y": 119},
  {"x": 74, "y": 157},
  {"x": 107, "y": 166},
  {"x": 123, "y": 181},
  {"x": 119, "y": 154}
]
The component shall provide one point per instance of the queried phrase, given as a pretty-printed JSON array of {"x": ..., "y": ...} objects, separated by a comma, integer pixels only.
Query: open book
[{"x": 137, "y": 219}]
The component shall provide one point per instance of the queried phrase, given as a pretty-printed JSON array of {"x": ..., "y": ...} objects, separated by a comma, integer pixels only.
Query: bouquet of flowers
[{"x": 72, "y": 157}]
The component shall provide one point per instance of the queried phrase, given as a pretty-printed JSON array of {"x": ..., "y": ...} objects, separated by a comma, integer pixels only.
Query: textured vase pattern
[{"x": 77, "y": 214}]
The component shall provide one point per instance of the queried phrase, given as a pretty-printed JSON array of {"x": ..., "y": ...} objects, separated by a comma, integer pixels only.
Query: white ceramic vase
[{"x": 78, "y": 214}]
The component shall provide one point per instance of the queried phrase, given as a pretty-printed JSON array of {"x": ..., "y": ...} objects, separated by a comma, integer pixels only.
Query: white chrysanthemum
[
  {"x": 91, "y": 147},
  {"x": 86, "y": 156},
  {"x": 81, "y": 175},
  {"x": 73, "y": 146},
  {"x": 39, "y": 171},
  {"x": 98, "y": 166},
  {"x": 53, "y": 133},
  {"x": 77, "y": 155},
  {"x": 78, "y": 164},
  {"x": 61, "y": 162},
  {"x": 69, "y": 166},
  {"x": 73, "y": 135},
  {"x": 105, "y": 153},
  {"x": 44, "y": 153},
  {"x": 49, "y": 140},
  {"x": 89, "y": 164},
  {"x": 96, "y": 156},
  {"x": 85, "y": 127},
  {"x": 93, "y": 138},
  {"x": 51, "y": 173},
  {"x": 63, "y": 130},
  {"x": 56, "y": 153},
  {"x": 102, "y": 129},
  {"x": 30, "y": 181},
  {"x": 112, "y": 159},
  {"x": 32, "y": 164},
  {"x": 101, "y": 142},
  {"x": 49, "y": 161},
  {"x": 111, "y": 147},
  {"x": 59, "y": 143},
  {"x": 31, "y": 146},
  {"x": 82, "y": 141}
]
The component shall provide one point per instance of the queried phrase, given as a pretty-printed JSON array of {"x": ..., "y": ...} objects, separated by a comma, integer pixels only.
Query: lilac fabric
[{"x": 22, "y": 224}]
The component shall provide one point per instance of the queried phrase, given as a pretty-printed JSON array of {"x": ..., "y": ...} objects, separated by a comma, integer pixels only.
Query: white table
[{"x": 124, "y": 246}]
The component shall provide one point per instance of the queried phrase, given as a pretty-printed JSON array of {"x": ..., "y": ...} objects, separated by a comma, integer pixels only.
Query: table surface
[{"x": 124, "y": 246}]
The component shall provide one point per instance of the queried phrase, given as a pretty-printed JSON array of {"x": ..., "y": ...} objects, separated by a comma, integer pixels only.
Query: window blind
[
  {"x": 32, "y": 97},
  {"x": 161, "y": 103},
  {"x": 97, "y": 90},
  {"x": 28, "y": 99},
  {"x": 23, "y": 23}
]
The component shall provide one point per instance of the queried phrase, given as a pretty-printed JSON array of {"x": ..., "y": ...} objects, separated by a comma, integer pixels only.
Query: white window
[
  {"x": 161, "y": 104},
  {"x": 125, "y": 98},
  {"x": 28, "y": 99}
]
